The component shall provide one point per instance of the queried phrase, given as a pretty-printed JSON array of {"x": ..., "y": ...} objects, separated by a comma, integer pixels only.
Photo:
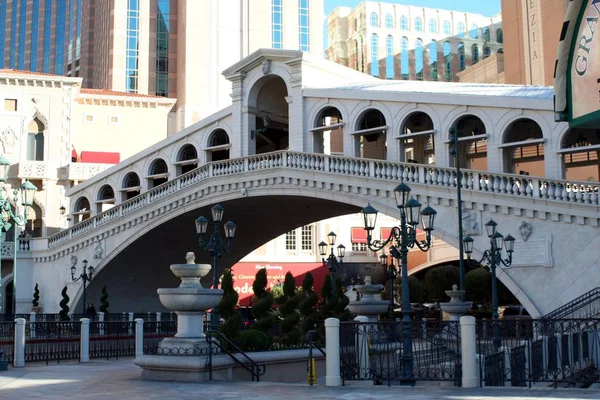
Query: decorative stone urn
[
  {"x": 368, "y": 306},
  {"x": 456, "y": 307},
  {"x": 190, "y": 302}
]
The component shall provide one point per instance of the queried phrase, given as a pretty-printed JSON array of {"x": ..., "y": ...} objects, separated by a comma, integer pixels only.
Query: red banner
[{"x": 245, "y": 272}]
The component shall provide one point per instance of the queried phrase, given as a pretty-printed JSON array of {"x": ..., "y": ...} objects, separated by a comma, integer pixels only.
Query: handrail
[
  {"x": 310, "y": 340},
  {"x": 576, "y": 304},
  {"x": 255, "y": 369}
]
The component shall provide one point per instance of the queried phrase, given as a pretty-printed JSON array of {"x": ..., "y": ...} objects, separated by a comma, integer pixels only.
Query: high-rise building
[
  {"x": 394, "y": 41},
  {"x": 172, "y": 48},
  {"x": 532, "y": 31}
]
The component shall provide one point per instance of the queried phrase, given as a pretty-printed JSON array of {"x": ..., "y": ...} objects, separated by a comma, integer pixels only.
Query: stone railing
[
  {"x": 8, "y": 250},
  {"x": 34, "y": 170},
  {"x": 560, "y": 191},
  {"x": 82, "y": 171}
]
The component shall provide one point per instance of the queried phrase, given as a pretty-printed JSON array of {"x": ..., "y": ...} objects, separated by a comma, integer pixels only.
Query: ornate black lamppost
[
  {"x": 85, "y": 277},
  {"x": 455, "y": 152},
  {"x": 403, "y": 237},
  {"x": 392, "y": 274},
  {"x": 332, "y": 262},
  {"x": 216, "y": 247},
  {"x": 493, "y": 257}
]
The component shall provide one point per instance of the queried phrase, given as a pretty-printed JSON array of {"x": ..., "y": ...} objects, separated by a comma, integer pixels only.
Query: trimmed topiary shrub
[
  {"x": 64, "y": 305},
  {"x": 254, "y": 340},
  {"x": 308, "y": 303},
  {"x": 233, "y": 319},
  {"x": 104, "y": 301},
  {"x": 36, "y": 297},
  {"x": 262, "y": 301},
  {"x": 290, "y": 334}
]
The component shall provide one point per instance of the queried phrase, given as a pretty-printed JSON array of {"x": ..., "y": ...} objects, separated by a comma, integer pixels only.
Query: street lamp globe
[
  {"x": 73, "y": 270},
  {"x": 4, "y": 166},
  {"x": 468, "y": 244},
  {"x": 201, "y": 225},
  {"x": 323, "y": 249},
  {"x": 414, "y": 211},
  {"x": 383, "y": 260},
  {"x": 490, "y": 227},
  {"x": 509, "y": 243},
  {"x": 331, "y": 238},
  {"x": 498, "y": 240},
  {"x": 341, "y": 249},
  {"x": 28, "y": 189},
  {"x": 428, "y": 218},
  {"x": 217, "y": 213},
  {"x": 229, "y": 229},
  {"x": 90, "y": 271},
  {"x": 370, "y": 217},
  {"x": 402, "y": 191}
]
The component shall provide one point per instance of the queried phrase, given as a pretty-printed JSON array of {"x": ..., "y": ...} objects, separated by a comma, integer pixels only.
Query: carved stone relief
[
  {"x": 525, "y": 230},
  {"x": 8, "y": 139},
  {"x": 471, "y": 220}
]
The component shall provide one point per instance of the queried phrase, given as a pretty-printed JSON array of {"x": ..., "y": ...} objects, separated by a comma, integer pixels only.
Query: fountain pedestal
[
  {"x": 367, "y": 305},
  {"x": 456, "y": 307}
]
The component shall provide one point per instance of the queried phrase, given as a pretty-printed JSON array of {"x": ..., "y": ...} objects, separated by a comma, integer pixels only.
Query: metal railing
[
  {"x": 585, "y": 306},
  {"x": 52, "y": 341},
  {"x": 373, "y": 351},
  {"x": 255, "y": 369},
  {"x": 155, "y": 331},
  {"x": 112, "y": 339},
  {"x": 562, "y": 191},
  {"x": 539, "y": 352},
  {"x": 7, "y": 340}
]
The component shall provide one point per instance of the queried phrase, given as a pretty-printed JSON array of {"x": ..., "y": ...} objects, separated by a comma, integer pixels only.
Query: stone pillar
[
  {"x": 332, "y": 346},
  {"x": 19, "y": 355},
  {"x": 468, "y": 343},
  {"x": 190, "y": 324},
  {"x": 139, "y": 337},
  {"x": 84, "y": 341}
]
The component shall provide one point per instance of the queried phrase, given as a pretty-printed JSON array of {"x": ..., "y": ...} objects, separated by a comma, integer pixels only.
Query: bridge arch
[
  {"x": 523, "y": 148},
  {"x": 157, "y": 172},
  {"x": 473, "y": 151},
  {"x": 186, "y": 159},
  {"x": 371, "y": 130},
  {"x": 417, "y": 138},
  {"x": 105, "y": 198},
  {"x": 81, "y": 209},
  {"x": 328, "y": 130},
  {"x": 580, "y": 151},
  {"x": 131, "y": 185},
  {"x": 218, "y": 145}
]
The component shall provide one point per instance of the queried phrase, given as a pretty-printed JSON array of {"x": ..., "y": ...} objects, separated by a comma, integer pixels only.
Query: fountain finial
[
  {"x": 190, "y": 257},
  {"x": 455, "y": 287},
  {"x": 368, "y": 280}
]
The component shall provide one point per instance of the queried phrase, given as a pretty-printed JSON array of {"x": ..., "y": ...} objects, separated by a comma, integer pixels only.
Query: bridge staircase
[{"x": 585, "y": 306}]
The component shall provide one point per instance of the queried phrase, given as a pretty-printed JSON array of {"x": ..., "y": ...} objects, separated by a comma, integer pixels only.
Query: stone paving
[{"x": 121, "y": 380}]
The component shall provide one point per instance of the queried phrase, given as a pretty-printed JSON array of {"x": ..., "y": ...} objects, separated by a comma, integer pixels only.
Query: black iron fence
[
  {"x": 539, "y": 352},
  {"x": 155, "y": 331},
  {"x": 375, "y": 351},
  {"x": 7, "y": 340},
  {"x": 112, "y": 339},
  {"x": 52, "y": 341}
]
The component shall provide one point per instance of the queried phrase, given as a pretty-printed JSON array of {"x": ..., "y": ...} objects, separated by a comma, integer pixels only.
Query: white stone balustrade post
[
  {"x": 332, "y": 351},
  {"x": 84, "y": 341},
  {"x": 139, "y": 337},
  {"x": 19, "y": 349},
  {"x": 468, "y": 344}
]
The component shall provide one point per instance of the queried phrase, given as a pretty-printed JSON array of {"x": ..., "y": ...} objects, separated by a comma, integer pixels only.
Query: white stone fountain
[
  {"x": 456, "y": 307},
  {"x": 190, "y": 302},
  {"x": 368, "y": 305}
]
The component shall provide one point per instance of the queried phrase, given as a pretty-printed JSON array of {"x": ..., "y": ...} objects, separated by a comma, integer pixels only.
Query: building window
[
  {"x": 13, "y": 35},
  {"x": 47, "y": 32},
  {"x": 358, "y": 238},
  {"x": 304, "y": 24},
  {"x": 419, "y": 59},
  {"x": 359, "y": 247},
  {"x": 486, "y": 34},
  {"x": 389, "y": 57},
  {"x": 113, "y": 120},
  {"x": 461, "y": 56},
  {"x": 448, "y": 61},
  {"x": 418, "y": 24},
  {"x": 475, "y": 53},
  {"x": 277, "y": 24},
  {"x": 447, "y": 28},
  {"x": 35, "y": 30},
  {"x": 2, "y": 30},
  {"x": 10, "y": 105},
  {"x": 389, "y": 22},
  {"x": 499, "y": 36},
  {"x": 22, "y": 26},
  {"x": 290, "y": 241},
  {"x": 35, "y": 141},
  {"x": 132, "y": 46},
  {"x": 374, "y": 20},
  {"x": 375, "y": 55},
  {"x": 307, "y": 237},
  {"x": 403, "y": 23},
  {"x": 88, "y": 118},
  {"x": 460, "y": 29},
  {"x": 432, "y": 26},
  {"x": 474, "y": 32},
  {"x": 433, "y": 60},
  {"x": 486, "y": 52},
  {"x": 404, "y": 64},
  {"x": 163, "y": 28},
  {"x": 61, "y": 27}
]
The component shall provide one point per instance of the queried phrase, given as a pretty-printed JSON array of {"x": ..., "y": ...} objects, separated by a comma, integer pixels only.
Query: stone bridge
[{"x": 266, "y": 195}]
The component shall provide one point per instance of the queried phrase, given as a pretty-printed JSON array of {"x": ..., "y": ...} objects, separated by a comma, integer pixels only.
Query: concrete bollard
[
  {"x": 470, "y": 378},
  {"x": 19, "y": 356},
  {"x": 139, "y": 337},
  {"x": 332, "y": 351},
  {"x": 84, "y": 341}
]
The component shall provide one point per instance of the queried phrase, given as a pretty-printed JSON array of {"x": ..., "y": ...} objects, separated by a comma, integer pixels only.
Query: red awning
[
  {"x": 100, "y": 157},
  {"x": 359, "y": 235}
]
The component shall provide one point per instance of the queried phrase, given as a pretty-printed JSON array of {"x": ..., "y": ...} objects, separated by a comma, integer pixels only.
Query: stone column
[
  {"x": 19, "y": 349},
  {"x": 139, "y": 337},
  {"x": 332, "y": 346},
  {"x": 470, "y": 378},
  {"x": 84, "y": 341}
]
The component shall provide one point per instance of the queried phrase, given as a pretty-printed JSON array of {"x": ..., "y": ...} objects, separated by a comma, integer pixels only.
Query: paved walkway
[{"x": 121, "y": 380}]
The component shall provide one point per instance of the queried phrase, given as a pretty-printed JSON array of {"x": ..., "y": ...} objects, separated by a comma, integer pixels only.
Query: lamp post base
[{"x": 407, "y": 378}]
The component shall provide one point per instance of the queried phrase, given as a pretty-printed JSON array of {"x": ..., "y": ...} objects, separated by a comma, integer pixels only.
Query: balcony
[
  {"x": 34, "y": 170},
  {"x": 82, "y": 171}
]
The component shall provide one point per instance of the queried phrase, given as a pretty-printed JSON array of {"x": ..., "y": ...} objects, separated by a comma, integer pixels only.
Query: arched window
[
  {"x": 433, "y": 63},
  {"x": 475, "y": 53},
  {"x": 486, "y": 33},
  {"x": 474, "y": 32},
  {"x": 371, "y": 137},
  {"x": 375, "y": 55},
  {"x": 417, "y": 139},
  {"x": 460, "y": 29},
  {"x": 158, "y": 173},
  {"x": 362, "y": 54},
  {"x": 35, "y": 141},
  {"x": 106, "y": 199},
  {"x": 499, "y": 35},
  {"x": 523, "y": 148},
  {"x": 374, "y": 20},
  {"x": 389, "y": 57},
  {"x": 187, "y": 159},
  {"x": 81, "y": 210},
  {"x": 448, "y": 61},
  {"x": 447, "y": 28},
  {"x": 355, "y": 24},
  {"x": 356, "y": 55},
  {"x": 461, "y": 56},
  {"x": 418, "y": 24},
  {"x": 432, "y": 26},
  {"x": 581, "y": 156},
  {"x": 131, "y": 186},
  {"x": 500, "y": 50},
  {"x": 404, "y": 63},
  {"x": 328, "y": 131},
  {"x": 473, "y": 143},
  {"x": 403, "y": 23},
  {"x": 218, "y": 146},
  {"x": 389, "y": 22},
  {"x": 486, "y": 52},
  {"x": 419, "y": 59}
]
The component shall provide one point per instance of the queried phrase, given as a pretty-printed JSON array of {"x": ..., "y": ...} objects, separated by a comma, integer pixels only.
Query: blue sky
[{"x": 485, "y": 7}]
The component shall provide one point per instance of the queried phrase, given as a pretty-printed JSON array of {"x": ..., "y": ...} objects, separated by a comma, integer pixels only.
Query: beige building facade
[{"x": 395, "y": 41}]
